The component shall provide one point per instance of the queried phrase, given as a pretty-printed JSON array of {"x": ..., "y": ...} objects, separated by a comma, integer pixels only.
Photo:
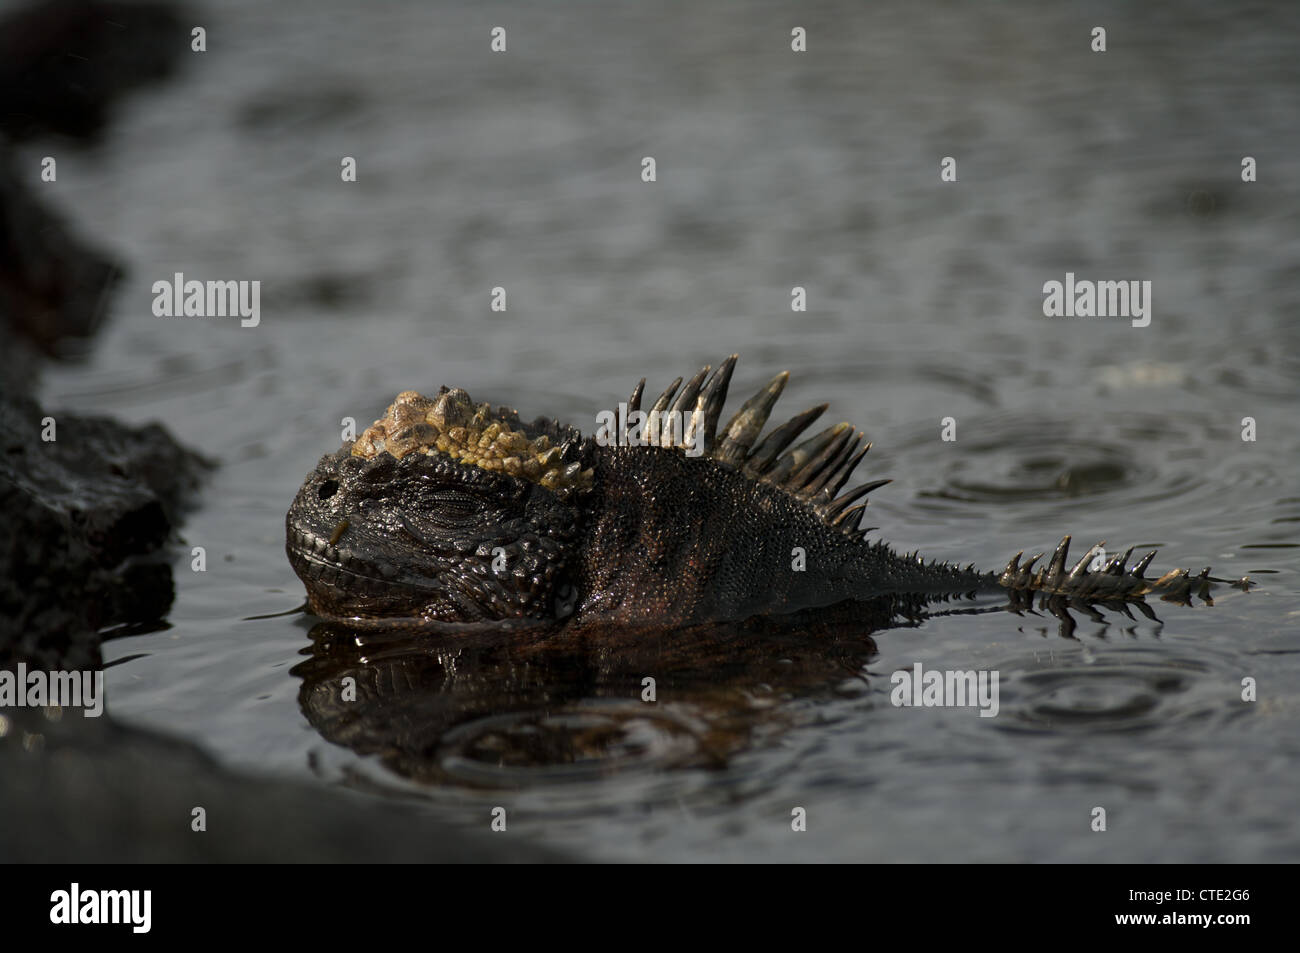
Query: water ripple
[
  {"x": 575, "y": 743},
  {"x": 1126, "y": 688}
]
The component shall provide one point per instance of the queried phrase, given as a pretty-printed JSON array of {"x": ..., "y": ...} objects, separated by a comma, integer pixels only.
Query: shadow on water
[{"x": 492, "y": 708}]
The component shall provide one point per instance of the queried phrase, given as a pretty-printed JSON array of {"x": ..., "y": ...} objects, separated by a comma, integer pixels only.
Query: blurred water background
[{"x": 775, "y": 169}]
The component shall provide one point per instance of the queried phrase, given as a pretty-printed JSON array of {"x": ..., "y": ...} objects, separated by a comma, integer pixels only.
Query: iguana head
[{"x": 441, "y": 510}]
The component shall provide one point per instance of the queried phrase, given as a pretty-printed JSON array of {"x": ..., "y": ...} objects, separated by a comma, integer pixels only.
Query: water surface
[{"x": 775, "y": 169}]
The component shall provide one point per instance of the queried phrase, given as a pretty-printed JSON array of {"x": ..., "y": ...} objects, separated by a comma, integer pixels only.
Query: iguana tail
[{"x": 1110, "y": 583}]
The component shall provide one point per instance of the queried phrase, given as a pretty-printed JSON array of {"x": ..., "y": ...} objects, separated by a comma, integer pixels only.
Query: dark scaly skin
[{"x": 642, "y": 535}]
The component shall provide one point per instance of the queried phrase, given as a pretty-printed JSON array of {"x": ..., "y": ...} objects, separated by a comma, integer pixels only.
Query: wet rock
[
  {"x": 64, "y": 63},
  {"x": 87, "y": 790},
  {"x": 54, "y": 287},
  {"x": 89, "y": 504},
  {"x": 87, "y": 518}
]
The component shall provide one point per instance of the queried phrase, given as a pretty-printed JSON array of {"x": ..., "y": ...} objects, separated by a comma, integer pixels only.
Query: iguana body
[{"x": 444, "y": 511}]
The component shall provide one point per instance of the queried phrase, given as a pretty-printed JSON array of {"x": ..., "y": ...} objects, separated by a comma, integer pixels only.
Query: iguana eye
[
  {"x": 448, "y": 510},
  {"x": 455, "y": 503}
]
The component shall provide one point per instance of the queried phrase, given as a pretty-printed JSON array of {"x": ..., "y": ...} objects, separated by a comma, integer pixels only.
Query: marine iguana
[{"x": 447, "y": 511}]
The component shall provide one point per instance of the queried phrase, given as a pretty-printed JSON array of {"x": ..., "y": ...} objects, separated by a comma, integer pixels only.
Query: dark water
[{"x": 775, "y": 169}]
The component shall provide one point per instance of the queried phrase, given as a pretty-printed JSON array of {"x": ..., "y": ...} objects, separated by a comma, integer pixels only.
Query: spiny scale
[
  {"x": 814, "y": 470},
  {"x": 1111, "y": 581},
  {"x": 743, "y": 429}
]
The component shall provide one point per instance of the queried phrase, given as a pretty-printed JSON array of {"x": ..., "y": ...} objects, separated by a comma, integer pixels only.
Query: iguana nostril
[{"x": 328, "y": 489}]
